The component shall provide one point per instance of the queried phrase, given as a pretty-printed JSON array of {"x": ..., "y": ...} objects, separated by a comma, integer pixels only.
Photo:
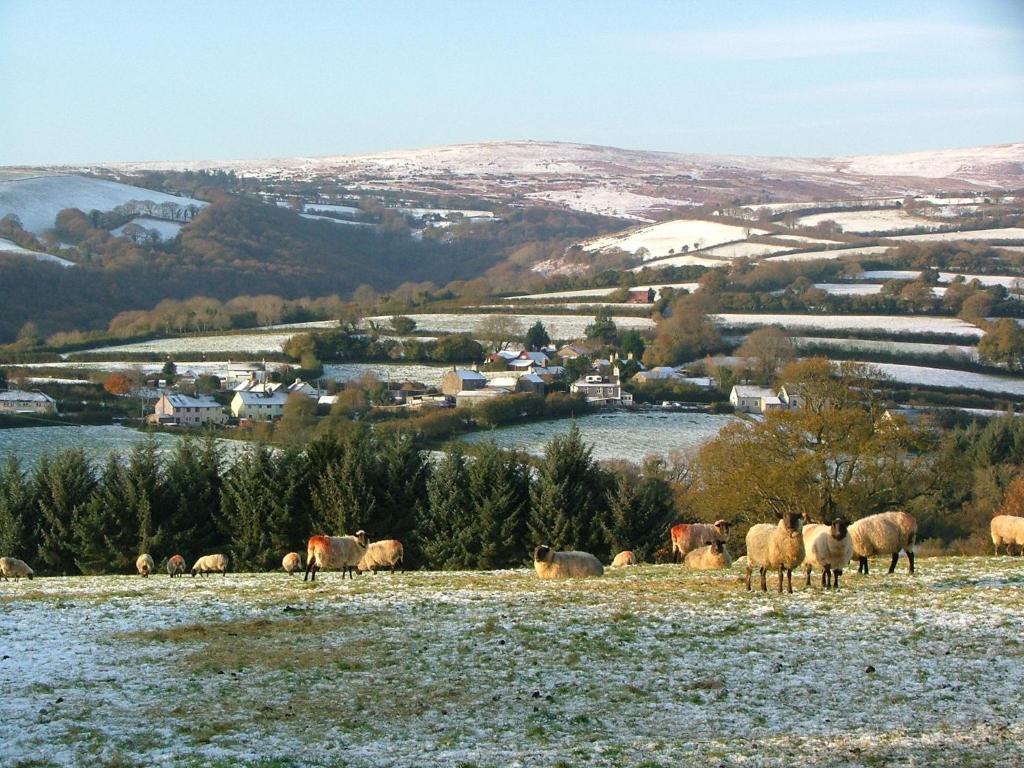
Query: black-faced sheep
[
  {"x": 776, "y": 546},
  {"x": 144, "y": 565},
  {"x": 334, "y": 553},
  {"x": 13, "y": 568},
  {"x": 828, "y": 547},
  {"x": 710, "y": 557},
  {"x": 551, "y": 564},
  {"x": 884, "y": 534},
  {"x": 387, "y": 553},
  {"x": 292, "y": 563},
  {"x": 175, "y": 566},
  {"x": 624, "y": 558},
  {"x": 211, "y": 564},
  {"x": 1008, "y": 530},
  {"x": 687, "y": 537}
]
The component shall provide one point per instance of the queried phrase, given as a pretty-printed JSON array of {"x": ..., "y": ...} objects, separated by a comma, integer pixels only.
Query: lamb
[
  {"x": 211, "y": 564},
  {"x": 687, "y": 537},
  {"x": 709, "y": 557},
  {"x": 829, "y": 547},
  {"x": 334, "y": 553},
  {"x": 175, "y": 566},
  {"x": 12, "y": 567},
  {"x": 624, "y": 558},
  {"x": 382, "y": 554},
  {"x": 144, "y": 564},
  {"x": 550, "y": 564},
  {"x": 776, "y": 546},
  {"x": 291, "y": 563},
  {"x": 1008, "y": 530},
  {"x": 883, "y": 534}
]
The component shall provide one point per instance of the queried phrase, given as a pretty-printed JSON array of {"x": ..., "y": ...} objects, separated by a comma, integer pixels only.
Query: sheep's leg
[
  {"x": 835, "y": 583},
  {"x": 750, "y": 573},
  {"x": 826, "y": 577},
  {"x": 862, "y": 566},
  {"x": 764, "y": 578},
  {"x": 781, "y": 571},
  {"x": 910, "y": 557},
  {"x": 789, "y": 580},
  {"x": 895, "y": 558},
  {"x": 809, "y": 577}
]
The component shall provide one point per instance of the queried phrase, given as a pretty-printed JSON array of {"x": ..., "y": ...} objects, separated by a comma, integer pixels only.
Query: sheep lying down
[{"x": 551, "y": 564}]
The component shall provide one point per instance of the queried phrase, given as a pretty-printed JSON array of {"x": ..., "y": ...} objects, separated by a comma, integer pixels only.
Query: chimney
[{"x": 630, "y": 356}]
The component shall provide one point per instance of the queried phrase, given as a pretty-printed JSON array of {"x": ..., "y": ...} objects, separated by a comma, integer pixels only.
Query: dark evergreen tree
[
  {"x": 145, "y": 498},
  {"x": 17, "y": 504},
  {"x": 64, "y": 484},
  {"x": 640, "y": 508},
  {"x": 568, "y": 497},
  {"x": 537, "y": 336},
  {"x": 500, "y": 493},
  {"x": 446, "y": 531},
  {"x": 344, "y": 498},
  {"x": 402, "y": 490},
  {"x": 193, "y": 483},
  {"x": 104, "y": 531},
  {"x": 253, "y": 508}
]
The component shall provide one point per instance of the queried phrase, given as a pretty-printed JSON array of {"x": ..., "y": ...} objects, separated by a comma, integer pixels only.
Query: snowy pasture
[
  {"x": 834, "y": 253},
  {"x": 986, "y": 235},
  {"x": 886, "y": 323},
  {"x": 683, "y": 261},
  {"x": 167, "y": 229},
  {"x": 646, "y": 666},
  {"x": 660, "y": 239},
  {"x": 1010, "y": 282},
  {"x": 890, "y": 347},
  {"x": 197, "y": 345},
  {"x": 558, "y": 326},
  {"x": 887, "y": 220},
  {"x": 7, "y": 247},
  {"x": 940, "y": 378}
]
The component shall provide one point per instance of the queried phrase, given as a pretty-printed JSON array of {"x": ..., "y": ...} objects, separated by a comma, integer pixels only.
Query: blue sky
[{"x": 110, "y": 81}]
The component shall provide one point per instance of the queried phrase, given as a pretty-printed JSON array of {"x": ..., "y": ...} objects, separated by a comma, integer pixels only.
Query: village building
[
  {"x": 21, "y": 401},
  {"x": 460, "y": 380},
  {"x": 469, "y": 398},
  {"x": 790, "y": 396},
  {"x": 528, "y": 360},
  {"x": 661, "y": 373},
  {"x": 186, "y": 411},
  {"x": 570, "y": 352},
  {"x": 641, "y": 296},
  {"x": 602, "y": 389},
  {"x": 238, "y": 372},
  {"x": 303, "y": 388},
  {"x": 259, "y": 405},
  {"x": 750, "y": 399}
]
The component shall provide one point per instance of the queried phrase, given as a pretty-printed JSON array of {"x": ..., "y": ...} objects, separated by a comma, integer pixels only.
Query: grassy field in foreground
[{"x": 653, "y": 666}]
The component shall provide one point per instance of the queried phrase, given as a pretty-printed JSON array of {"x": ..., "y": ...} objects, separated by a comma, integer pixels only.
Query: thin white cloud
[
  {"x": 906, "y": 87},
  {"x": 822, "y": 39}
]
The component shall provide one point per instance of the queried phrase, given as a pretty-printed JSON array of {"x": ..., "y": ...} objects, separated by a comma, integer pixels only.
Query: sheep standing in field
[
  {"x": 211, "y": 564},
  {"x": 334, "y": 553},
  {"x": 292, "y": 563},
  {"x": 175, "y": 566},
  {"x": 884, "y": 534},
  {"x": 144, "y": 565},
  {"x": 687, "y": 537},
  {"x": 550, "y": 564},
  {"x": 13, "y": 568},
  {"x": 710, "y": 557},
  {"x": 624, "y": 558},
  {"x": 382, "y": 554},
  {"x": 1008, "y": 530},
  {"x": 828, "y": 547},
  {"x": 776, "y": 546}
]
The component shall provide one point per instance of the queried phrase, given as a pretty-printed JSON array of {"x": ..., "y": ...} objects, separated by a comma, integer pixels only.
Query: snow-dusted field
[
  {"x": 746, "y": 250},
  {"x": 37, "y": 200},
  {"x": 558, "y": 326},
  {"x": 893, "y": 347},
  {"x": 1011, "y": 282},
  {"x": 862, "y": 289},
  {"x": 887, "y": 220},
  {"x": 608, "y": 201},
  {"x": 600, "y": 292},
  {"x": 167, "y": 229},
  {"x": 646, "y": 666},
  {"x": 6, "y": 246},
  {"x": 834, "y": 253},
  {"x": 683, "y": 261},
  {"x": 888, "y": 323},
  {"x": 942, "y": 378},
  {"x": 987, "y": 235},
  {"x": 667, "y": 236},
  {"x": 194, "y": 345}
]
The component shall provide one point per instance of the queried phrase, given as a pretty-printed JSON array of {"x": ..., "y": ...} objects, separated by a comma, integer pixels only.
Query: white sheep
[
  {"x": 333, "y": 553},
  {"x": 776, "y": 546},
  {"x": 1008, "y": 530},
  {"x": 292, "y": 563},
  {"x": 710, "y": 557},
  {"x": 387, "y": 553},
  {"x": 550, "y": 564},
  {"x": 687, "y": 537},
  {"x": 175, "y": 566},
  {"x": 884, "y": 534},
  {"x": 828, "y": 547},
  {"x": 12, "y": 567},
  {"x": 144, "y": 565},
  {"x": 211, "y": 564},
  {"x": 624, "y": 558}
]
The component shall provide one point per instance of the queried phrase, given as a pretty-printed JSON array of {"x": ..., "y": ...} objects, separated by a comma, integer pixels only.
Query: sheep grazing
[
  {"x": 175, "y": 566},
  {"x": 710, "y": 557},
  {"x": 334, "y": 553},
  {"x": 624, "y": 558},
  {"x": 144, "y": 565},
  {"x": 550, "y": 564},
  {"x": 211, "y": 564},
  {"x": 776, "y": 546},
  {"x": 13, "y": 568},
  {"x": 884, "y": 534},
  {"x": 382, "y": 554},
  {"x": 687, "y": 537},
  {"x": 292, "y": 563},
  {"x": 1008, "y": 530},
  {"x": 828, "y": 547}
]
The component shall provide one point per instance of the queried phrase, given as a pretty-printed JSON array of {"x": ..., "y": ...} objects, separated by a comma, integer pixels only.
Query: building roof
[
  {"x": 485, "y": 392},
  {"x": 532, "y": 378},
  {"x": 184, "y": 401},
  {"x": 468, "y": 374},
  {"x": 745, "y": 390},
  {"x": 259, "y": 398},
  {"x": 22, "y": 396}
]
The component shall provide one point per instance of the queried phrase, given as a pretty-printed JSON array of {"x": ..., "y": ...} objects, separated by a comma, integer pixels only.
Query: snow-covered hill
[{"x": 37, "y": 199}]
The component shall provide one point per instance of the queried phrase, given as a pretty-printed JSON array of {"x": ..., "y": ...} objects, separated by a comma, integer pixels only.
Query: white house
[
  {"x": 188, "y": 411},
  {"x": 20, "y": 401},
  {"x": 303, "y": 388},
  {"x": 790, "y": 396},
  {"x": 468, "y": 398},
  {"x": 259, "y": 406},
  {"x": 602, "y": 389},
  {"x": 750, "y": 399}
]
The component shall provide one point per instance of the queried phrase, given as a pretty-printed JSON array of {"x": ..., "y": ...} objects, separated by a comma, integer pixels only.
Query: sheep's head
[
  {"x": 718, "y": 546},
  {"x": 792, "y": 522},
  {"x": 542, "y": 554},
  {"x": 839, "y": 528},
  {"x": 361, "y": 538},
  {"x": 723, "y": 527}
]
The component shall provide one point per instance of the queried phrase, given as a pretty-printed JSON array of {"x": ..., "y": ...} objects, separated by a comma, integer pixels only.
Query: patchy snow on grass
[
  {"x": 659, "y": 239},
  {"x": 745, "y": 250},
  {"x": 833, "y": 253},
  {"x": 683, "y": 261},
  {"x": 986, "y": 235},
  {"x": 599, "y": 292},
  {"x": 887, "y": 220},
  {"x": 891, "y": 347},
  {"x": 167, "y": 229},
  {"x": 1010, "y": 282},
  {"x": 195, "y": 345},
  {"x": 862, "y": 289},
  {"x": 608, "y": 200},
  {"x": 558, "y": 326},
  {"x": 887, "y": 323},
  {"x": 940, "y": 378},
  {"x": 348, "y": 210},
  {"x": 6, "y": 246},
  {"x": 651, "y": 665}
]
